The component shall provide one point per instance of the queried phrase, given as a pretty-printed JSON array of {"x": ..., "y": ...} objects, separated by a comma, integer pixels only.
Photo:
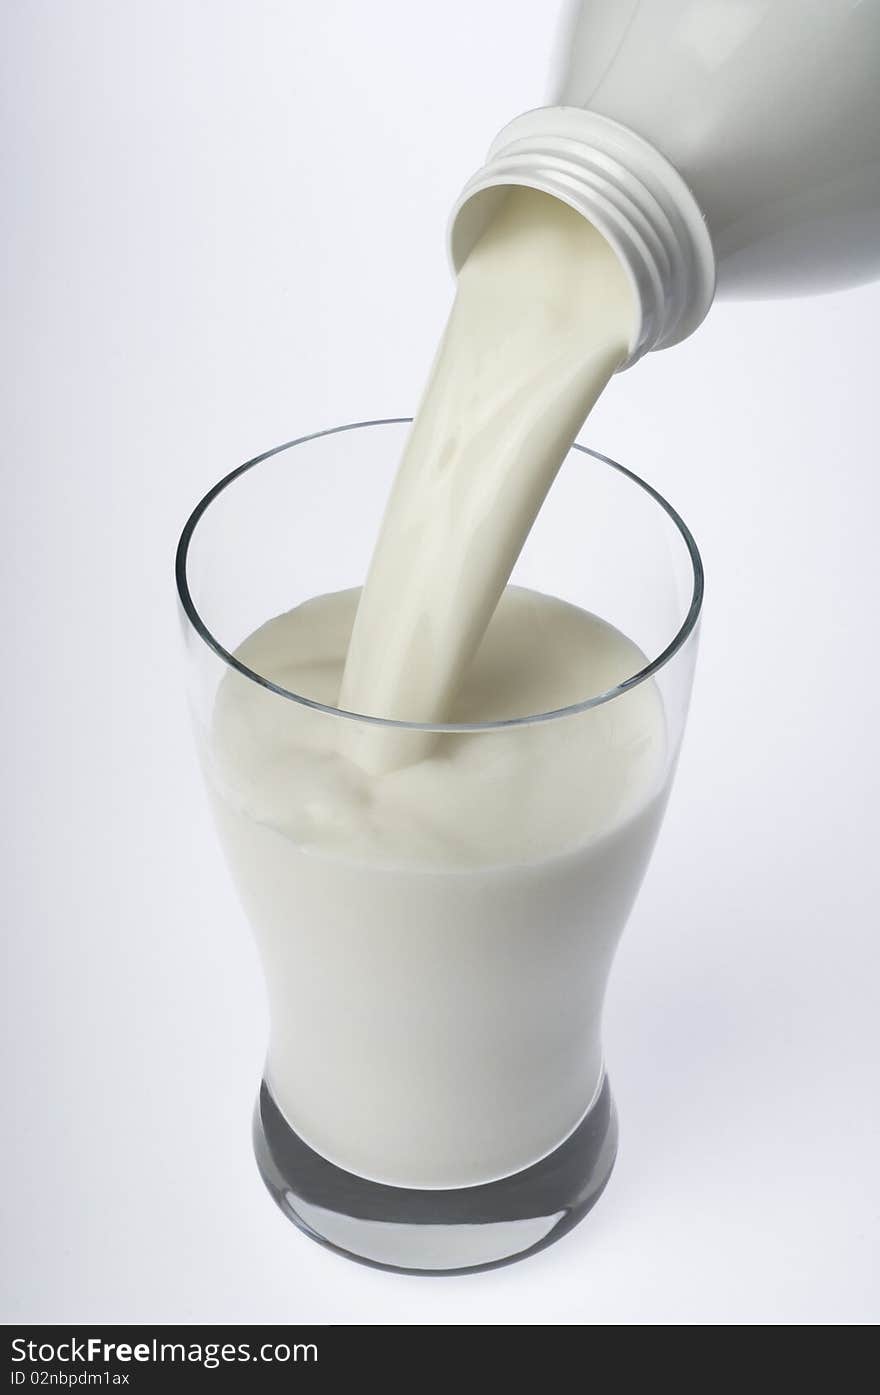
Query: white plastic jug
[{"x": 728, "y": 143}]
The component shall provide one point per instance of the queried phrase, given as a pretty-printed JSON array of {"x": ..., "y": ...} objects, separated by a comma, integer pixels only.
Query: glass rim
[{"x": 652, "y": 667}]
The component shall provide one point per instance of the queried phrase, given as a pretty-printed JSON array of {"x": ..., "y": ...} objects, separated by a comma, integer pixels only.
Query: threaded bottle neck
[{"x": 628, "y": 191}]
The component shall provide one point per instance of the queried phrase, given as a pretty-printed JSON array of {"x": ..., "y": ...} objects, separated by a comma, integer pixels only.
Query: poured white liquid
[
  {"x": 541, "y": 320},
  {"x": 437, "y": 913}
]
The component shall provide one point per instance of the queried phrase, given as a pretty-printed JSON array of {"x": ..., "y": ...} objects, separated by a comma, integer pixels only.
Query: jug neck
[{"x": 628, "y": 191}]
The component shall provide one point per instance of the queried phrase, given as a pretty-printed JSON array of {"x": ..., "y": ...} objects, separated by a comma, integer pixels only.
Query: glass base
[{"x": 436, "y": 1232}]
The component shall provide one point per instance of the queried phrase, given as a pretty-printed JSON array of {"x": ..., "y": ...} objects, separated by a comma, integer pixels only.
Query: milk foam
[{"x": 515, "y": 795}]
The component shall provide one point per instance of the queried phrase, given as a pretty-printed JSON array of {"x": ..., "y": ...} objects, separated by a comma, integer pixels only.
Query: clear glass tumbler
[{"x": 435, "y": 1097}]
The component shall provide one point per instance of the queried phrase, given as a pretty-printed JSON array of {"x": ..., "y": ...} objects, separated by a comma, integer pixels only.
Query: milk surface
[{"x": 437, "y": 937}]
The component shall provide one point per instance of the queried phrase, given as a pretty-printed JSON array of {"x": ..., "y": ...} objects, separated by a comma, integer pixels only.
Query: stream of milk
[{"x": 542, "y": 318}]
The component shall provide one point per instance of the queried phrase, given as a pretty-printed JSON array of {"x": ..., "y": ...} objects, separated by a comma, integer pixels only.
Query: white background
[{"x": 223, "y": 226}]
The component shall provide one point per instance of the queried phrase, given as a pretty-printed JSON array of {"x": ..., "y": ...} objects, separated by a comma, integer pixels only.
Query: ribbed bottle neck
[{"x": 628, "y": 191}]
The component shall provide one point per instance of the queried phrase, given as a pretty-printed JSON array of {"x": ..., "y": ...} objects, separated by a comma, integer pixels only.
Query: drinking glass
[{"x": 435, "y": 1097}]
